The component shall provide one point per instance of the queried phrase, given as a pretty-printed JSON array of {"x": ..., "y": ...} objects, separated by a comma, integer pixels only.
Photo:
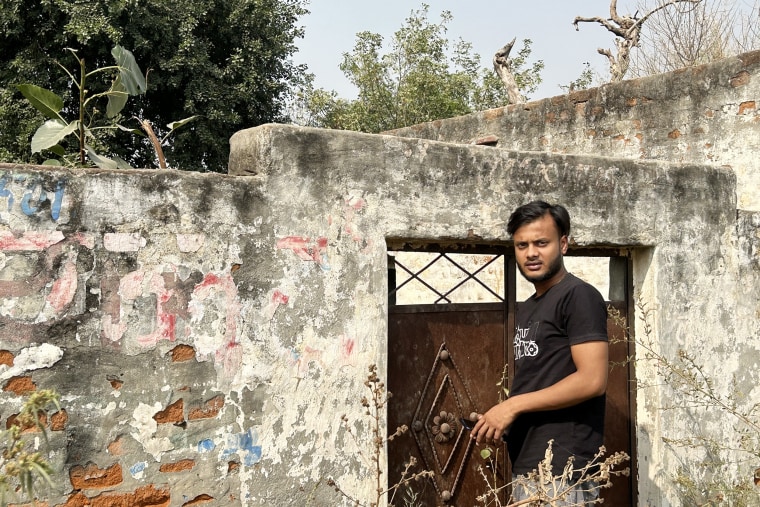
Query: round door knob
[
  {"x": 473, "y": 416},
  {"x": 446, "y": 496},
  {"x": 444, "y": 355},
  {"x": 445, "y": 428}
]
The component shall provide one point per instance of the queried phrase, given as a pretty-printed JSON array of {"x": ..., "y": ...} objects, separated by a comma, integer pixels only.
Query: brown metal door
[
  {"x": 445, "y": 362},
  {"x": 618, "y": 424}
]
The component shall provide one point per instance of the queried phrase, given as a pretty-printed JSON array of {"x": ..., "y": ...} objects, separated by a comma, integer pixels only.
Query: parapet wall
[{"x": 704, "y": 115}]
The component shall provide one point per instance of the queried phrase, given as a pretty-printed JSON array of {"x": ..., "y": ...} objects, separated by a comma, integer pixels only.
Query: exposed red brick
[
  {"x": 741, "y": 79},
  {"x": 20, "y": 385},
  {"x": 486, "y": 140},
  {"x": 58, "y": 420},
  {"x": 675, "y": 134},
  {"x": 493, "y": 114},
  {"x": 182, "y": 353},
  {"x": 232, "y": 466},
  {"x": 146, "y": 496},
  {"x": 36, "y": 503},
  {"x": 29, "y": 427},
  {"x": 581, "y": 95},
  {"x": 77, "y": 499},
  {"x": 209, "y": 409},
  {"x": 115, "y": 382},
  {"x": 6, "y": 358},
  {"x": 92, "y": 477},
  {"x": 631, "y": 102},
  {"x": 174, "y": 413},
  {"x": 751, "y": 58},
  {"x": 639, "y": 136},
  {"x": 747, "y": 106},
  {"x": 115, "y": 448},
  {"x": 200, "y": 499},
  {"x": 178, "y": 466}
]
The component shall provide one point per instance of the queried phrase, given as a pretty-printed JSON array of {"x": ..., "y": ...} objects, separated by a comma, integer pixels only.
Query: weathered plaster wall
[
  {"x": 207, "y": 332},
  {"x": 704, "y": 115}
]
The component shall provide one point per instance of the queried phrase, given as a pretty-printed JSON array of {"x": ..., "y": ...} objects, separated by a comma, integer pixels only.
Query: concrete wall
[
  {"x": 207, "y": 332},
  {"x": 703, "y": 115}
]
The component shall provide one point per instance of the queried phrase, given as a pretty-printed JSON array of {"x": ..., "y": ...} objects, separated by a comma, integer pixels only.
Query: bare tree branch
[
  {"x": 501, "y": 67},
  {"x": 627, "y": 30}
]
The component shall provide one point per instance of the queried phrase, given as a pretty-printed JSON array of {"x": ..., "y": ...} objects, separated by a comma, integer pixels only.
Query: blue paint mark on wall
[
  {"x": 137, "y": 468},
  {"x": 34, "y": 195},
  {"x": 55, "y": 210},
  {"x": 206, "y": 445},
  {"x": 4, "y": 192},
  {"x": 244, "y": 445}
]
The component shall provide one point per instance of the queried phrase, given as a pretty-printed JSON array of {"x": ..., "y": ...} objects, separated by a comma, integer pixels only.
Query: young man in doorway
[{"x": 561, "y": 356}]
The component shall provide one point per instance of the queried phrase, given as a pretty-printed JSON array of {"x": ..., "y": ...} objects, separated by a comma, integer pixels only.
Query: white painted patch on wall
[
  {"x": 32, "y": 358},
  {"x": 146, "y": 426}
]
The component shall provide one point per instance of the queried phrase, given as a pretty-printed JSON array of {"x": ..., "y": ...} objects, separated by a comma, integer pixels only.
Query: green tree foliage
[
  {"x": 422, "y": 77},
  {"x": 227, "y": 61}
]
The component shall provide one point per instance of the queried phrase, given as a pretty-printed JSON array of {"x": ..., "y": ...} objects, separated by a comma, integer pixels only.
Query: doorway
[{"x": 451, "y": 325}]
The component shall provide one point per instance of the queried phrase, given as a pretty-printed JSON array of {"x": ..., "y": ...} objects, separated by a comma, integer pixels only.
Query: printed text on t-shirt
[{"x": 524, "y": 345}]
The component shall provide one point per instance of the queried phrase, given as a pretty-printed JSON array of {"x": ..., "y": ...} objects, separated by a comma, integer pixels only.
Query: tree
[
  {"x": 627, "y": 31},
  {"x": 227, "y": 61},
  {"x": 421, "y": 78},
  {"x": 684, "y": 37}
]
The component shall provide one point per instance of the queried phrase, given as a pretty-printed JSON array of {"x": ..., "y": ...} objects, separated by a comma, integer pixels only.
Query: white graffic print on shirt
[{"x": 524, "y": 346}]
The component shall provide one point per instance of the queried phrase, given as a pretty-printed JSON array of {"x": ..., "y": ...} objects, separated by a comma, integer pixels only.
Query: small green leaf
[
  {"x": 131, "y": 75},
  {"x": 136, "y": 132},
  {"x": 44, "y": 101},
  {"x": 52, "y": 161},
  {"x": 100, "y": 161},
  {"x": 117, "y": 98},
  {"x": 485, "y": 453},
  {"x": 121, "y": 163},
  {"x": 177, "y": 124},
  {"x": 50, "y": 133},
  {"x": 58, "y": 150}
]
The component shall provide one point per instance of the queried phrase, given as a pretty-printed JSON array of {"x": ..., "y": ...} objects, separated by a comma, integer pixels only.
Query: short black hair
[{"x": 532, "y": 211}]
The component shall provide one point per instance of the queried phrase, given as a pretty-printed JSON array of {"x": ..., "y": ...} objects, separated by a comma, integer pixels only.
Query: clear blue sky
[{"x": 332, "y": 26}]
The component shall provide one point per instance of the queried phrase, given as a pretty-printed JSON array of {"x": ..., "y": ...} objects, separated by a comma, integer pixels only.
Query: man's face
[{"x": 539, "y": 249}]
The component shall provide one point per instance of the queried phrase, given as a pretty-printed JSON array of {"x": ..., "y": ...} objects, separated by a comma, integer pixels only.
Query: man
[{"x": 561, "y": 351}]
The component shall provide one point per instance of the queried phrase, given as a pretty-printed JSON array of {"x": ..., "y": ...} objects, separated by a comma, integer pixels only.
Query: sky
[{"x": 332, "y": 25}]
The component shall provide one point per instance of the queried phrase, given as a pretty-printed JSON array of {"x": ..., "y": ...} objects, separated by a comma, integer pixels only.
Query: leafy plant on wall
[{"x": 126, "y": 80}]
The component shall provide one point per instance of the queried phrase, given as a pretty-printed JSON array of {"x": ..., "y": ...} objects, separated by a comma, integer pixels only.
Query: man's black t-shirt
[{"x": 570, "y": 312}]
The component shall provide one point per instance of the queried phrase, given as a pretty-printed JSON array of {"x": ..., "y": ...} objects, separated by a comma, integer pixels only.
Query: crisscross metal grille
[{"x": 440, "y": 278}]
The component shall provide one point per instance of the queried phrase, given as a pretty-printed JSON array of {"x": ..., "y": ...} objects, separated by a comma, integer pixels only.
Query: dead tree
[
  {"x": 502, "y": 68},
  {"x": 627, "y": 30}
]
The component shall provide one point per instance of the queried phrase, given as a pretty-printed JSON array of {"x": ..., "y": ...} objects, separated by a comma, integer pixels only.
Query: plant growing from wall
[
  {"x": 126, "y": 80},
  {"x": 697, "y": 395},
  {"x": 374, "y": 406},
  {"x": 550, "y": 488},
  {"x": 19, "y": 465}
]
